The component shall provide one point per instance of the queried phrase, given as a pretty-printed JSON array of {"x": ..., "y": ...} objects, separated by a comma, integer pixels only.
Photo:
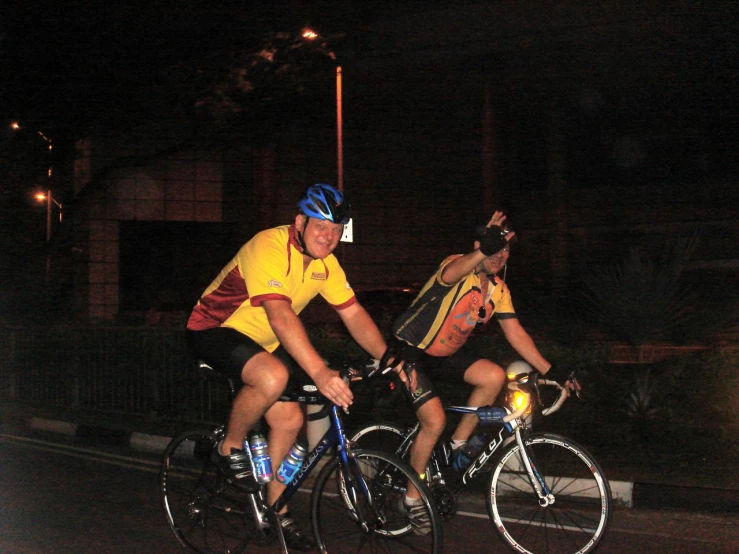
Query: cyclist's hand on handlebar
[
  {"x": 407, "y": 374},
  {"x": 570, "y": 380},
  {"x": 390, "y": 359},
  {"x": 333, "y": 387},
  {"x": 393, "y": 359}
]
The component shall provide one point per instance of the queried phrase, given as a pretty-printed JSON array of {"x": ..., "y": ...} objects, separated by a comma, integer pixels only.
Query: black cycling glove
[
  {"x": 493, "y": 240},
  {"x": 391, "y": 358}
]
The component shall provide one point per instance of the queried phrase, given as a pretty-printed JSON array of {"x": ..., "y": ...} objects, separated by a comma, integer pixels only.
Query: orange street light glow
[{"x": 310, "y": 34}]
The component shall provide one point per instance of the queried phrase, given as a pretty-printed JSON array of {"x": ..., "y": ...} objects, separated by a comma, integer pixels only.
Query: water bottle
[
  {"x": 260, "y": 459},
  {"x": 292, "y": 463},
  {"x": 470, "y": 452}
]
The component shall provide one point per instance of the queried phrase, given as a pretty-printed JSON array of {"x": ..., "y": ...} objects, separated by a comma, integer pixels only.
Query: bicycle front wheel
[
  {"x": 360, "y": 508},
  {"x": 578, "y": 514},
  {"x": 204, "y": 511}
]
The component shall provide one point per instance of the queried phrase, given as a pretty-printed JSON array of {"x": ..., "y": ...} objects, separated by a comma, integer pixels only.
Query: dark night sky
[
  {"x": 670, "y": 71},
  {"x": 59, "y": 55}
]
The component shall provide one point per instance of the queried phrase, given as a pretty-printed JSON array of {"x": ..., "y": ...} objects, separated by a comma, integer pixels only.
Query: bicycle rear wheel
[
  {"x": 204, "y": 511},
  {"x": 579, "y": 516},
  {"x": 363, "y": 511},
  {"x": 383, "y": 436}
]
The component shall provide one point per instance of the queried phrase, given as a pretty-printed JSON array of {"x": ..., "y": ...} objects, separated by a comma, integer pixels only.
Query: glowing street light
[
  {"x": 49, "y": 199},
  {"x": 309, "y": 34},
  {"x": 45, "y": 196}
]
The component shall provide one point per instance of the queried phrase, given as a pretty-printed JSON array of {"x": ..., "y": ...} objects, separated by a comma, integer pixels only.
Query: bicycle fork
[{"x": 546, "y": 498}]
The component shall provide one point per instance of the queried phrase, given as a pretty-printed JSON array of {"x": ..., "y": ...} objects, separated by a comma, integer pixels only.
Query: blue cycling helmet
[{"x": 323, "y": 201}]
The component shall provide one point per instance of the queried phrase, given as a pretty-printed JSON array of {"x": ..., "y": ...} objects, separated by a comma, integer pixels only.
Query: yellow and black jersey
[
  {"x": 269, "y": 266},
  {"x": 442, "y": 317}
]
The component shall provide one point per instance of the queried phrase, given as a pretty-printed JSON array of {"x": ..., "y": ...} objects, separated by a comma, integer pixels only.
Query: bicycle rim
[
  {"x": 386, "y": 437},
  {"x": 339, "y": 507},
  {"x": 203, "y": 510},
  {"x": 579, "y": 517}
]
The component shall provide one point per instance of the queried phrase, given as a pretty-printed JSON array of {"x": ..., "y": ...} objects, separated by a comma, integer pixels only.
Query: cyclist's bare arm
[
  {"x": 363, "y": 329},
  {"x": 522, "y": 343},
  {"x": 292, "y": 336}
]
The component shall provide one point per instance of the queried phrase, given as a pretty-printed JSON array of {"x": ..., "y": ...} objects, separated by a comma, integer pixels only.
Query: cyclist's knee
[
  {"x": 486, "y": 374},
  {"x": 285, "y": 417},
  {"x": 267, "y": 374},
  {"x": 432, "y": 417}
]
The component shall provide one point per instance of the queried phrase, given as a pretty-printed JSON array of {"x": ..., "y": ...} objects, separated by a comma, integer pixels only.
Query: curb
[
  {"x": 625, "y": 493},
  {"x": 106, "y": 435}
]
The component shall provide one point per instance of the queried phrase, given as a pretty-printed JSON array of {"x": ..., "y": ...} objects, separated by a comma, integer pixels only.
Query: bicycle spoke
[
  {"x": 205, "y": 513},
  {"x": 579, "y": 515},
  {"x": 345, "y": 519}
]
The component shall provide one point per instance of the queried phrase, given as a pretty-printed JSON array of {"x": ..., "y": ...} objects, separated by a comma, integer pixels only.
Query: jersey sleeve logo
[
  {"x": 318, "y": 276},
  {"x": 273, "y": 284}
]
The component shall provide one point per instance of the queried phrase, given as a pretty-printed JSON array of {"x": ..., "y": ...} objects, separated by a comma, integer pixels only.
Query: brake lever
[
  {"x": 348, "y": 380},
  {"x": 407, "y": 369},
  {"x": 535, "y": 387},
  {"x": 576, "y": 385}
]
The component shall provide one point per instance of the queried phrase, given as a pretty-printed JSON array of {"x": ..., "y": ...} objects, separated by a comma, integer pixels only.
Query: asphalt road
[{"x": 60, "y": 495}]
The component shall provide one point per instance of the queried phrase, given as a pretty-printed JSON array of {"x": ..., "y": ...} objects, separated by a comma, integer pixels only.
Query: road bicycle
[
  {"x": 544, "y": 492},
  {"x": 355, "y": 503}
]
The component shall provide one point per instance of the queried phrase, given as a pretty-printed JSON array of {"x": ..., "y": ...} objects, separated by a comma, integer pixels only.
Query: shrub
[{"x": 642, "y": 298}]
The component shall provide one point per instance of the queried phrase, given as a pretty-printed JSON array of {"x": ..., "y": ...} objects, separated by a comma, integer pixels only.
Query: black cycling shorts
[
  {"x": 450, "y": 368},
  {"x": 227, "y": 350}
]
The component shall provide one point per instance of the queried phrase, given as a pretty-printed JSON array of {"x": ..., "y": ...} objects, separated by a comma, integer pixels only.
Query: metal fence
[{"x": 138, "y": 371}]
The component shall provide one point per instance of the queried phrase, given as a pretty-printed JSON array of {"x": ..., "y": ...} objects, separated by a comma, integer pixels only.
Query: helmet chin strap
[
  {"x": 301, "y": 240},
  {"x": 505, "y": 272}
]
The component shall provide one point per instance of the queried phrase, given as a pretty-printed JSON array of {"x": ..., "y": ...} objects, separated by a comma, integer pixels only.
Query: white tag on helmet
[{"x": 348, "y": 235}]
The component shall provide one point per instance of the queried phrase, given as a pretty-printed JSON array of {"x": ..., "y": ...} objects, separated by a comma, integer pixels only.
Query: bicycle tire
[
  {"x": 383, "y": 436},
  {"x": 336, "y": 503},
  {"x": 581, "y": 513},
  {"x": 204, "y": 511},
  {"x": 386, "y": 437}
]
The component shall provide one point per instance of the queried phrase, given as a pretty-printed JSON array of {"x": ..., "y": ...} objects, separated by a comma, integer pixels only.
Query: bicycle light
[{"x": 519, "y": 400}]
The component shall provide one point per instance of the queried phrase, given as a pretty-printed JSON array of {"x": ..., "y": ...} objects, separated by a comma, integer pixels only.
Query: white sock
[
  {"x": 413, "y": 501},
  {"x": 456, "y": 445}
]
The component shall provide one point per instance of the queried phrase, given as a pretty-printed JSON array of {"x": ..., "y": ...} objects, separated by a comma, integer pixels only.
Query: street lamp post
[
  {"x": 47, "y": 196},
  {"x": 49, "y": 199},
  {"x": 312, "y": 35},
  {"x": 339, "y": 129}
]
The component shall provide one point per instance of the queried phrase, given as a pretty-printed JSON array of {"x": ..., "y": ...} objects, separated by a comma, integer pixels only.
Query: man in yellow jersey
[
  {"x": 464, "y": 292},
  {"x": 246, "y": 324}
]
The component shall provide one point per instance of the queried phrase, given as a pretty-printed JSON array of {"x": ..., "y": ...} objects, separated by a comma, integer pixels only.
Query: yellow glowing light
[
  {"x": 15, "y": 125},
  {"x": 40, "y": 196},
  {"x": 520, "y": 400},
  {"x": 309, "y": 34}
]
